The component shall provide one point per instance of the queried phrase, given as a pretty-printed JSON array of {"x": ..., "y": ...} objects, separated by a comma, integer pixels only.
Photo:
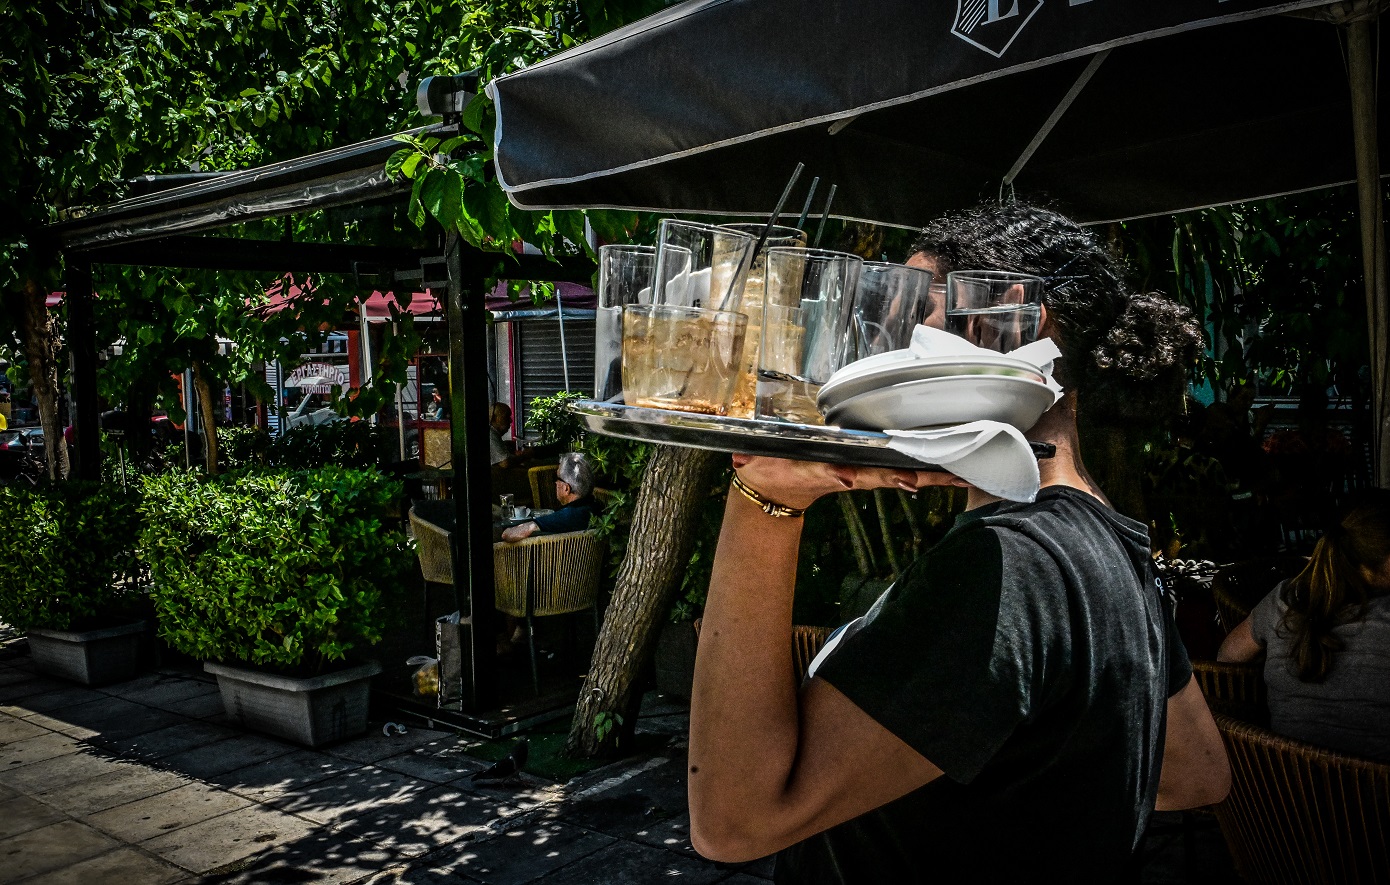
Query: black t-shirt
[{"x": 1029, "y": 656}]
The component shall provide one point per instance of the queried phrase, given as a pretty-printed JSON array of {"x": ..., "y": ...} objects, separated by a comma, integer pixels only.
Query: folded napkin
[
  {"x": 990, "y": 455},
  {"x": 931, "y": 342}
]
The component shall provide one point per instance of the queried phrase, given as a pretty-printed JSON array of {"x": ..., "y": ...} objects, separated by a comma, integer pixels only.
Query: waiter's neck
[{"x": 1057, "y": 427}]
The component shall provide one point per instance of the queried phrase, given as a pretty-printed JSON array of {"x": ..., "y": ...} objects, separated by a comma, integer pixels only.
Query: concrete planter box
[
  {"x": 313, "y": 712},
  {"x": 91, "y": 657}
]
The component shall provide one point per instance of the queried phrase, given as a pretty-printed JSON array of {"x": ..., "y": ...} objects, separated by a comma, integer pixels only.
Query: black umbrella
[{"x": 1109, "y": 109}]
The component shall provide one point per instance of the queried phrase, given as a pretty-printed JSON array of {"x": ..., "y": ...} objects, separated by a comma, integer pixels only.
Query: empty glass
[
  {"x": 681, "y": 358},
  {"x": 625, "y": 275},
  {"x": 889, "y": 302},
  {"x": 751, "y": 306},
  {"x": 719, "y": 261},
  {"x": 994, "y": 309},
  {"x": 806, "y": 330}
]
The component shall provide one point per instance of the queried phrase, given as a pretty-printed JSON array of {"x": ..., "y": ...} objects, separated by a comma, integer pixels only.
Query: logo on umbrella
[{"x": 992, "y": 25}]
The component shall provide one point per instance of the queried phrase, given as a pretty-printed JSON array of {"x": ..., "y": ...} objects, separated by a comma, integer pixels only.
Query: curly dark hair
[{"x": 1126, "y": 354}]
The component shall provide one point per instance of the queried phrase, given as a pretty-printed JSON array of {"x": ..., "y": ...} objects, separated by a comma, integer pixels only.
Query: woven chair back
[
  {"x": 1301, "y": 815},
  {"x": 1237, "y": 588},
  {"x": 1236, "y": 690},
  {"x": 806, "y": 644},
  {"x": 543, "y": 486},
  {"x": 432, "y": 546},
  {"x": 563, "y": 571}
]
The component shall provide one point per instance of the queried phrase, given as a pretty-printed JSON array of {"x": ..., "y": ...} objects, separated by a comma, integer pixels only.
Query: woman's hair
[
  {"x": 1330, "y": 590},
  {"x": 1127, "y": 354}
]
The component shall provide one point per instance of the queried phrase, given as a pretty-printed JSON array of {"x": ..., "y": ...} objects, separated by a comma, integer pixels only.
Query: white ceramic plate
[
  {"x": 880, "y": 371},
  {"x": 951, "y": 399}
]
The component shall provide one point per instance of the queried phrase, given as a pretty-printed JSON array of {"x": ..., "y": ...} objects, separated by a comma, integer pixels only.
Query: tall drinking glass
[
  {"x": 625, "y": 275},
  {"x": 718, "y": 265},
  {"x": 889, "y": 302},
  {"x": 806, "y": 331},
  {"x": 751, "y": 306},
  {"x": 681, "y": 358},
  {"x": 994, "y": 309}
]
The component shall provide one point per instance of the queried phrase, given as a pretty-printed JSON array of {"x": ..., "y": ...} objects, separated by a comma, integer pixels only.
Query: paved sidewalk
[{"x": 143, "y": 782}]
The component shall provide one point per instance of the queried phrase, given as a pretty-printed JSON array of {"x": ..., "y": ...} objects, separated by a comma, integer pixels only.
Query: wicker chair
[
  {"x": 543, "y": 486},
  {"x": 1302, "y": 815},
  {"x": 431, "y": 523},
  {"x": 807, "y": 642},
  {"x": 548, "y": 575},
  {"x": 1236, "y": 690},
  {"x": 1238, "y": 587}
]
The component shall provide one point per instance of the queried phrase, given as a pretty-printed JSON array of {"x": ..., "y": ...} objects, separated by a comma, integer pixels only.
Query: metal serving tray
[{"x": 806, "y": 442}]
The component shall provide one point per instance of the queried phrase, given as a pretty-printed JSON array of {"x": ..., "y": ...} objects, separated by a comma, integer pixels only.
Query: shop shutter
[{"x": 539, "y": 370}]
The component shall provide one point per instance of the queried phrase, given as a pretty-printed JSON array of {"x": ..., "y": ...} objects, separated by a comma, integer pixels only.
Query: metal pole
[
  {"x": 1362, "y": 72},
  {"x": 468, "y": 410},
  {"x": 564, "y": 354},
  {"x": 82, "y": 341},
  {"x": 400, "y": 397},
  {"x": 187, "y": 416},
  {"x": 364, "y": 350}
]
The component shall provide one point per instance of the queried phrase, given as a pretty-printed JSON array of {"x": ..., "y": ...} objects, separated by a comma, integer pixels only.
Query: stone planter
[
  {"x": 91, "y": 657},
  {"x": 313, "y": 712}
]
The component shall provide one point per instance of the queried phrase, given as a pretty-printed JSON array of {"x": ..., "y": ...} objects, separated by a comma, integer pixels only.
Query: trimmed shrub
[
  {"x": 288, "y": 570},
  {"x": 67, "y": 553},
  {"x": 356, "y": 444}
]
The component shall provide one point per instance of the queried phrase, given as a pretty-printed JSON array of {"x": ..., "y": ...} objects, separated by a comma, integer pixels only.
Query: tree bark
[
  {"x": 42, "y": 348},
  {"x": 663, "y": 524},
  {"x": 204, "y": 387}
]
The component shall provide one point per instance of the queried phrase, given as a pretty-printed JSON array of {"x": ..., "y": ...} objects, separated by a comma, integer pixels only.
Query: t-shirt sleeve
[
  {"x": 566, "y": 519},
  {"x": 1265, "y": 615},
  {"x": 947, "y": 659}
]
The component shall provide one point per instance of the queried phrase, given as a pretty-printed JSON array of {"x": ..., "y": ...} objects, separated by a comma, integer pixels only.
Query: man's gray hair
[{"x": 576, "y": 473}]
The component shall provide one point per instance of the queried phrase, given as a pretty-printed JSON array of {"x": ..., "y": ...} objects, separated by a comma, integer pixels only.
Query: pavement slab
[
  {"x": 200, "y": 706},
  {"x": 177, "y": 738},
  {"x": 522, "y": 853},
  {"x": 107, "y": 720},
  {"x": 626, "y": 863},
  {"x": 440, "y": 761},
  {"x": 58, "y": 771},
  {"x": 167, "y": 690},
  {"x": 15, "y": 695},
  {"x": 58, "y": 696},
  {"x": 126, "y": 866},
  {"x": 229, "y": 838},
  {"x": 163, "y": 813},
  {"x": 293, "y": 773},
  {"x": 12, "y": 729},
  {"x": 55, "y": 846},
  {"x": 37, "y": 749},
  {"x": 322, "y": 856},
  {"x": 20, "y": 814},
  {"x": 207, "y": 762},
  {"x": 129, "y": 783},
  {"x": 375, "y": 745}
]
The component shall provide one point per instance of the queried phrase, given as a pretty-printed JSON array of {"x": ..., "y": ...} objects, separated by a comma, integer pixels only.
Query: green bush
[
  {"x": 239, "y": 447},
  {"x": 552, "y": 421},
  {"x": 67, "y": 553},
  {"x": 290, "y": 570},
  {"x": 355, "y": 444}
]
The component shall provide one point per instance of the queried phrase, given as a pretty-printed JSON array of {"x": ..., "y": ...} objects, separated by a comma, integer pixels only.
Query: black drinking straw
[
  {"x": 762, "y": 238},
  {"x": 806, "y": 210},
  {"x": 825, "y": 216}
]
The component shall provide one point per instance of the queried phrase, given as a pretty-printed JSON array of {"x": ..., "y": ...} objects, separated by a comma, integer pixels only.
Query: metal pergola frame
[{"x": 169, "y": 228}]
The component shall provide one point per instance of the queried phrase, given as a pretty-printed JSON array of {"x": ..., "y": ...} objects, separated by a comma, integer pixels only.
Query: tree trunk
[
  {"x": 204, "y": 388},
  {"x": 663, "y": 529},
  {"x": 42, "y": 348},
  {"x": 1117, "y": 470}
]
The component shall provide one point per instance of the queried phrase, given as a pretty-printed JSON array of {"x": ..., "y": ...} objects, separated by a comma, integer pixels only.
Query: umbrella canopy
[{"x": 1109, "y": 109}]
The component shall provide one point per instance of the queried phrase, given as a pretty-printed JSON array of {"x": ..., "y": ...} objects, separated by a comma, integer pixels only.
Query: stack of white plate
[{"x": 899, "y": 390}]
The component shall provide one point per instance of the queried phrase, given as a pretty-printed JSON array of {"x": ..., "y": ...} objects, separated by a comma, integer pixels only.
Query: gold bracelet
[{"x": 771, "y": 508}]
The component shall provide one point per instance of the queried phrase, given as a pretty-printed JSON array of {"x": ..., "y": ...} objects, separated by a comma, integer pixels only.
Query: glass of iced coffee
[
  {"x": 681, "y": 358},
  {"x": 751, "y": 306},
  {"x": 625, "y": 276}
]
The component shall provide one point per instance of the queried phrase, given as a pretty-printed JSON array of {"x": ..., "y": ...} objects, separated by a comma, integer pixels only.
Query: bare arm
[
  {"x": 1240, "y": 645},
  {"x": 769, "y": 767},
  {"x": 521, "y": 532},
  {"x": 1195, "y": 769}
]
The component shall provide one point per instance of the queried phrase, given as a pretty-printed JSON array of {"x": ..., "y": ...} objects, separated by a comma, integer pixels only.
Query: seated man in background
[
  {"x": 574, "y": 488},
  {"x": 499, "y": 421}
]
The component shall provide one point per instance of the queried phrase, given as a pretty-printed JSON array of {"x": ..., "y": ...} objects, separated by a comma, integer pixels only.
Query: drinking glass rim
[
  {"x": 682, "y": 308},
  {"x": 820, "y": 254},
  {"x": 755, "y": 228},
  {"x": 893, "y": 265},
  {"x": 704, "y": 227},
  {"x": 627, "y": 247},
  {"x": 994, "y": 276}
]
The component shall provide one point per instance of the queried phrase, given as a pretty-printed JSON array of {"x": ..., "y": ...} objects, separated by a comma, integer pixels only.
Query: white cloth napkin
[
  {"x": 931, "y": 342},
  {"x": 990, "y": 455}
]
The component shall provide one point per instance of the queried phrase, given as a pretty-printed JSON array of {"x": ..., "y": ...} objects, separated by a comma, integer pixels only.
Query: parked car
[{"x": 11, "y": 441}]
